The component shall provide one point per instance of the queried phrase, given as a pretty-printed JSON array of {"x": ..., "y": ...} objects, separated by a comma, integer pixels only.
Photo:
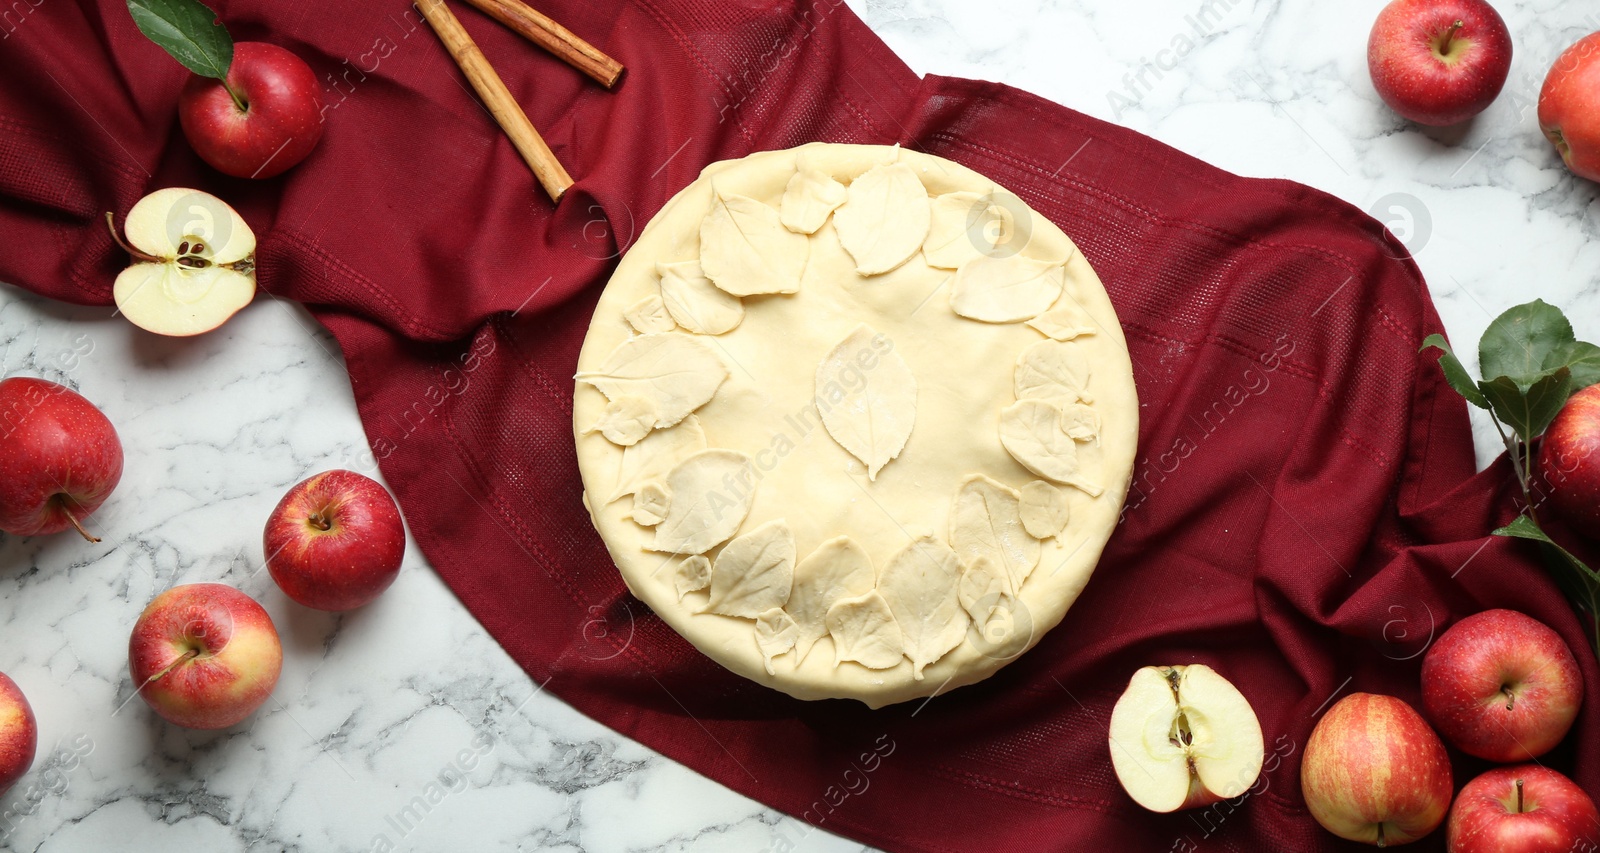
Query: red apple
[
  {"x": 335, "y": 541},
  {"x": 1374, "y": 772},
  {"x": 1527, "y": 809},
  {"x": 1439, "y": 62},
  {"x": 1569, "y": 107},
  {"x": 1501, "y": 685},
  {"x": 1569, "y": 457},
  {"x": 266, "y": 118},
  {"x": 19, "y": 734},
  {"x": 59, "y": 458},
  {"x": 204, "y": 655}
]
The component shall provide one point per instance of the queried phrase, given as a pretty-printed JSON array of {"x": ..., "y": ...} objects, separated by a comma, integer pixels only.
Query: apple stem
[
  {"x": 1519, "y": 796},
  {"x": 1381, "y": 842},
  {"x": 1519, "y": 451},
  {"x": 1511, "y": 697},
  {"x": 1527, "y": 450},
  {"x": 188, "y": 655},
  {"x": 111, "y": 224},
  {"x": 1450, "y": 35},
  {"x": 243, "y": 107},
  {"x": 316, "y": 520},
  {"x": 79, "y": 527},
  {"x": 62, "y": 502}
]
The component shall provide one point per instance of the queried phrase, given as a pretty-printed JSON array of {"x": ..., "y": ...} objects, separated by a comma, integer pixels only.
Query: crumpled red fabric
[{"x": 1305, "y": 516}]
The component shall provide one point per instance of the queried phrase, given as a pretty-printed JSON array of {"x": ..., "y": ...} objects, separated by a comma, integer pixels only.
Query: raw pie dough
[{"x": 855, "y": 421}]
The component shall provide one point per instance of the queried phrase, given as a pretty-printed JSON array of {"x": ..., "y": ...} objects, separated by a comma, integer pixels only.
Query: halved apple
[
  {"x": 194, "y": 263},
  {"x": 1182, "y": 737}
]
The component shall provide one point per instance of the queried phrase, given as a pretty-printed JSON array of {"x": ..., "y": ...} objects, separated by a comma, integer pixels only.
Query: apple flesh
[
  {"x": 204, "y": 656},
  {"x": 1569, "y": 456},
  {"x": 1439, "y": 62},
  {"x": 335, "y": 541},
  {"x": 1501, "y": 685},
  {"x": 1569, "y": 107},
  {"x": 60, "y": 458},
  {"x": 19, "y": 733},
  {"x": 1527, "y": 809},
  {"x": 194, "y": 263},
  {"x": 1374, "y": 772},
  {"x": 1183, "y": 737},
  {"x": 263, "y": 120}
]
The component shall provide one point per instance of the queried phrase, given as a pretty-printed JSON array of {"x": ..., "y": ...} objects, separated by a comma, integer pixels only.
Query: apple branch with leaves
[{"x": 1532, "y": 362}]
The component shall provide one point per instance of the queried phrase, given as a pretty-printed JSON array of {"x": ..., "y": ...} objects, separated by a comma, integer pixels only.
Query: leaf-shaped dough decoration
[
  {"x": 627, "y": 420},
  {"x": 1080, "y": 422},
  {"x": 694, "y": 302},
  {"x": 775, "y": 635},
  {"x": 884, "y": 219},
  {"x": 753, "y": 573},
  {"x": 711, "y": 494},
  {"x": 1034, "y": 433},
  {"x": 876, "y": 398},
  {"x": 656, "y": 454},
  {"x": 983, "y": 588},
  {"x": 649, "y": 315},
  {"x": 745, "y": 250},
  {"x": 1066, "y": 321},
  {"x": 919, "y": 585},
  {"x": 964, "y": 226},
  {"x": 986, "y": 524},
  {"x": 839, "y": 568},
  {"x": 676, "y": 372},
  {"x": 864, "y": 630},
  {"x": 650, "y": 504},
  {"x": 1006, "y": 289},
  {"x": 1044, "y": 510},
  {"x": 693, "y": 575},
  {"x": 1051, "y": 370},
  {"x": 808, "y": 200}
]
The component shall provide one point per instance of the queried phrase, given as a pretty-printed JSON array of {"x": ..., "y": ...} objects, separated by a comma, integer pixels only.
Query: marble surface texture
[{"x": 375, "y": 708}]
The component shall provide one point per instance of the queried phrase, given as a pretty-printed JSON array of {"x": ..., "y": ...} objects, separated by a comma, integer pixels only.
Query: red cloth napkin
[{"x": 1304, "y": 515}]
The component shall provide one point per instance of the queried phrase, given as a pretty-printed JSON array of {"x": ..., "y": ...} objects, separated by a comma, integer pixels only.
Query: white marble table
[{"x": 375, "y": 707}]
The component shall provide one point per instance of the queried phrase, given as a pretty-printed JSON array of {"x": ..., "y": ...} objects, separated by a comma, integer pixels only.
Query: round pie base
[{"x": 765, "y": 409}]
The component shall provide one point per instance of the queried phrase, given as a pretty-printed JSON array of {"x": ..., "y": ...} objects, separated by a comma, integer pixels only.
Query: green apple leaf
[
  {"x": 1530, "y": 412},
  {"x": 1455, "y": 372},
  {"x": 1519, "y": 342},
  {"x": 187, "y": 30},
  {"x": 1507, "y": 402},
  {"x": 1546, "y": 398},
  {"x": 1582, "y": 357},
  {"x": 1526, "y": 528}
]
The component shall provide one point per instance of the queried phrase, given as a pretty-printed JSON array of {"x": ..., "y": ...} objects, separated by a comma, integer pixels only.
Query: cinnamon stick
[
  {"x": 541, "y": 30},
  {"x": 507, "y": 113}
]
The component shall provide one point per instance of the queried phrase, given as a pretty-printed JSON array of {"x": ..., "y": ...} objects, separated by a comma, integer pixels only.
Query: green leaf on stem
[
  {"x": 1531, "y": 363},
  {"x": 1546, "y": 398},
  {"x": 1526, "y": 528},
  {"x": 1519, "y": 343},
  {"x": 1529, "y": 411},
  {"x": 1582, "y": 358},
  {"x": 187, "y": 30},
  {"x": 1455, "y": 372}
]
